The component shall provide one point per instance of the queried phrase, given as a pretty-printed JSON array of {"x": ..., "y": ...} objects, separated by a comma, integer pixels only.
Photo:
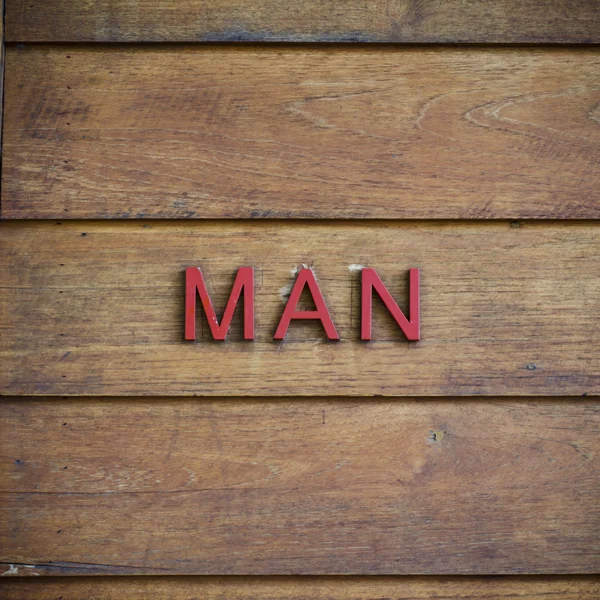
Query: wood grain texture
[
  {"x": 304, "y": 588},
  {"x": 2, "y": 60},
  {"x": 497, "y": 21},
  {"x": 96, "y": 308},
  {"x": 292, "y": 486},
  {"x": 238, "y": 132}
]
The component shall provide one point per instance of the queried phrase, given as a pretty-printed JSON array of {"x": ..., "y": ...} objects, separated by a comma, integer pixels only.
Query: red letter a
[
  {"x": 306, "y": 276},
  {"x": 410, "y": 326},
  {"x": 194, "y": 281}
]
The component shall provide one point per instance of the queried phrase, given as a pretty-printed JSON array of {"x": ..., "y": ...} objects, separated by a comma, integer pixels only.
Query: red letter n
[
  {"x": 306, "y": 276},
  {"x": 244, "y": 280},
  {"x": 410, "y": 326}
]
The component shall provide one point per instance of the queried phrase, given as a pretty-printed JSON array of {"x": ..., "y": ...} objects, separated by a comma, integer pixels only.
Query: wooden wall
[{"x": 459, "y": 137}]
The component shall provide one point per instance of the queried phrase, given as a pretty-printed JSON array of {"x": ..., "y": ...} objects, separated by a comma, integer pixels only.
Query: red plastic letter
[
  {"x": 244, "y": 280},
  {"x": 306, "y": 276},
  {"x": 411, "y": 326}
]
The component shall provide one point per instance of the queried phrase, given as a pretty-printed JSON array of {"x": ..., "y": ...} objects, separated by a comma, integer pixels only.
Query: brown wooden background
[{"x": 456, "y": 136}]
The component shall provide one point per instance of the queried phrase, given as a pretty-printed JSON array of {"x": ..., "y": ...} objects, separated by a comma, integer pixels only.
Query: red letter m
[
  {"x": 194, "y": 281},
  {"x": 409, "y": 326}
]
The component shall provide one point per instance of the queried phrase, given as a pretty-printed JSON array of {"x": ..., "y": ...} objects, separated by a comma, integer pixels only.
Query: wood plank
[
  {"x": 97, "y": 308},
  {"x": 239, "y": 132},
  {"x": 2, "y": 60},
  {"x": 497, "y": 21},
  {"x": 152, "y": 486},
  {"x": 304, "y": 588}
]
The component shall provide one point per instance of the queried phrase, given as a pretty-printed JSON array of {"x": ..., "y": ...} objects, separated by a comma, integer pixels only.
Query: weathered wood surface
[
  {"x": 212, "y": 132},
  {"x": 497, "y": 21},
  {"x": 304, "y": 588},
  {"x": 153, "y": 486},
  {"x": 97, "y": 308},
  {"x": 2, "y": 58}
]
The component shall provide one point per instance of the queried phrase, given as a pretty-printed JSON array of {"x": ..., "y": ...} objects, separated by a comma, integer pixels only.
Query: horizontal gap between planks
[
  {"x": 342, "y": 46},
  {"x": 293, "y": 586}
]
